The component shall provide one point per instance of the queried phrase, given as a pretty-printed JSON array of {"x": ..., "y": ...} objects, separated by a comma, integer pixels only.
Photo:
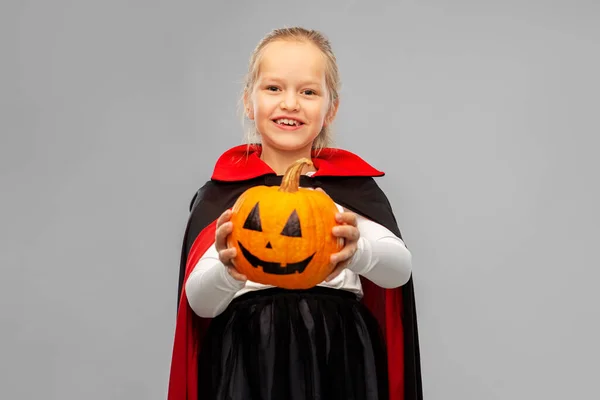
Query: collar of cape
[{"x": 243, "y": 162}]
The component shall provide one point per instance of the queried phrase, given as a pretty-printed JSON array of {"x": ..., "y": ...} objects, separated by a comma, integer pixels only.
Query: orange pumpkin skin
[{"x": 283, "y": 234}]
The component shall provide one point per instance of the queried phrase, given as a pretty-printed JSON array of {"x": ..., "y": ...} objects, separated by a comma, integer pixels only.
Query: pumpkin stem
[{"x": 291, "y": 179}]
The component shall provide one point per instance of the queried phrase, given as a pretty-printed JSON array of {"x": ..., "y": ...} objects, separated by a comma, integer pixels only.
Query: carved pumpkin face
[{"x": 283, "y": 234}]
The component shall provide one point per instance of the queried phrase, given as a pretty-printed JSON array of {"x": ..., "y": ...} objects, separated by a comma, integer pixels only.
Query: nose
[{"x": 290, "y": 102}]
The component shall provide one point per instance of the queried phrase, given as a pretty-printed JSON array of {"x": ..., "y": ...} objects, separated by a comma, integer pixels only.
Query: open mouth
[
  {"x": 274, "y": 267},
  {"x": 288, "y": 122}
]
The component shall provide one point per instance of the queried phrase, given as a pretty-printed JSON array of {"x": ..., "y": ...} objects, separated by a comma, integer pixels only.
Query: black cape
[{"x": 348, "y": 180}]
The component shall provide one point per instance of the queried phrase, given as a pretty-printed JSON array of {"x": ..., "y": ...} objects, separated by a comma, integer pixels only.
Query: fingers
[
  {"x": 224, "y": 229},
  {"x": 348, "y": 232},
  {"x": 343, "y": 255},
  {"x": 226, "y": 216},
  {"x": 221, "y": 235},
  {"x": 225, "y": 256},
  {"x": 236, "y": 275},
  {"x": 342, "y": 258},
  {"x": 347, "y": 217}
]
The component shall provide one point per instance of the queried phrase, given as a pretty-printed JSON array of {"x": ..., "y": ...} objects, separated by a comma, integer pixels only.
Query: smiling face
[{"x": 290, "y": 102}]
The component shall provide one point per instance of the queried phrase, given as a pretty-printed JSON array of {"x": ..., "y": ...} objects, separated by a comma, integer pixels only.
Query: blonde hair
[{"x": 332, "y": 78}]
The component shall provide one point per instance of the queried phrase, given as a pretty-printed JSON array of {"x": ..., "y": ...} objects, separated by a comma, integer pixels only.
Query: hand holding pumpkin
[
  {"x": 226, "y": 254},
  {"x": 347, "y": 230}
]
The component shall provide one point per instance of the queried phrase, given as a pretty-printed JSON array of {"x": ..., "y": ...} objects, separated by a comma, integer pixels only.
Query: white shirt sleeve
[
  {"x": 381, "y": 256},
  {"x": 210, "y": 288}
]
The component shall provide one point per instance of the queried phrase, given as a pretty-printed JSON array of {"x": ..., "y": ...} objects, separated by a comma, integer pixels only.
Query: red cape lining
[{"x": 243, "y": 162}]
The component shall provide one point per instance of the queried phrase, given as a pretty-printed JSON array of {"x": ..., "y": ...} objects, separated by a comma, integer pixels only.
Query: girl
[{"x": 354, "y": 336}]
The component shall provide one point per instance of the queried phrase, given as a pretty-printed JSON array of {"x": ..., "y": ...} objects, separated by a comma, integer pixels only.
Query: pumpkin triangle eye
[
  {"x": 292, "y": 226},
  {"x": 253, "y": 220}
]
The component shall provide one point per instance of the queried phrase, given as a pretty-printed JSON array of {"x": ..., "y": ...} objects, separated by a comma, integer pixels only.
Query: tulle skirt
[{"x": 276, "y": 344}]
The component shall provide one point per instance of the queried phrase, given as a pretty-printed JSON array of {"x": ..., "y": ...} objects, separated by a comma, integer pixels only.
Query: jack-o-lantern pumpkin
[{"x": 283, "y": 234}]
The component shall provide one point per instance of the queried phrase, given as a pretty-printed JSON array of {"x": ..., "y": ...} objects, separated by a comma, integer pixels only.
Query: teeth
[{"x": 287, "y": 121}]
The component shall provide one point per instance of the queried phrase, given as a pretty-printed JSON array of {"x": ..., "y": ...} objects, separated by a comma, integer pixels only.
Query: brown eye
[
  {"x": 253, "y": 220},
  {"x": 292, "y": 226}
]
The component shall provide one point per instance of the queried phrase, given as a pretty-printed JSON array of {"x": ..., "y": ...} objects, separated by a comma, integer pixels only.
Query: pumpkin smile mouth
[{"x": 275, "y": 268}]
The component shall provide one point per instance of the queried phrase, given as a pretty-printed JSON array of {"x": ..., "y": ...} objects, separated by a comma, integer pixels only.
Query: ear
[
  {"x": 248, "y": 108},
  {"x": 332, "y": 112}
]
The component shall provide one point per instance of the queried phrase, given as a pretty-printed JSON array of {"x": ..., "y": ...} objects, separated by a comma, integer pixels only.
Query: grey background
[{"x": 483, "y": 114}]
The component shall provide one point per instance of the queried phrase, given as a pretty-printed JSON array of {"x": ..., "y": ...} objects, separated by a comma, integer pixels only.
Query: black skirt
[{"x": 277, "y": 344}]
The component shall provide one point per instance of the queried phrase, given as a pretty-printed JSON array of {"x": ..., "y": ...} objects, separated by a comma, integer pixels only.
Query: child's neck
[{"x": 280, "y": 161}]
